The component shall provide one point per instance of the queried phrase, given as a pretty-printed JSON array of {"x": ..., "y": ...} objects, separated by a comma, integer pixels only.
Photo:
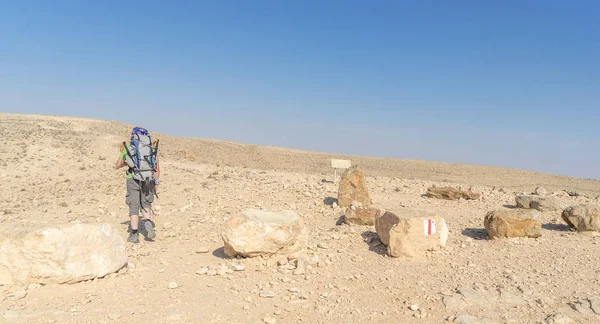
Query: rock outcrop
[
  {"x": 410, "y": 233},
  {"x": 584, "y": 217},
  {"x": 449, "y": 193},
  {"x": 263, "y": 233},
  {"x": 513, "y": 223},
  {"x": 543, "y": 204},
  {"x": 359, "y": 215},
  {"x": 353, "y": 188},
  {"x": 61, "y": 254}
]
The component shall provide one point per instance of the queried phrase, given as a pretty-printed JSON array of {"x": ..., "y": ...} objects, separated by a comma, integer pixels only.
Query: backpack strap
[{"x": 135, "y": 167}]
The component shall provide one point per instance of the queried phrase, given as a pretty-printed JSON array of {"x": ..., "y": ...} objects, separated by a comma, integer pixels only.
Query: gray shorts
[{"x": 138, "y": 196}]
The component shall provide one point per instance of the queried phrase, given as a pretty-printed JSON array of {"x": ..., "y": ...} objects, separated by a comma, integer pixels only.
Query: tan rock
[
  {"x": 540, "y": 191},
  {"x": 257, "y": 232},
  {"x": 61, "y": 254},
  {"x": 547, "y": 204},
  {"x": 409, "y": 233},
  {"x": 513, "y": 223},
  {"x": 584, "y": 217},
  {"x": 449, "y": 193},
  {"x": 524, "y": 201},
  {"x": 543, "y": 204},
  {"x": 353, "y": 188},
  {"x": 361, "y": 215}
]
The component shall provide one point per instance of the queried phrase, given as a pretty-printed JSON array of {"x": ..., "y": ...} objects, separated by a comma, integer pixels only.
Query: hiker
[{"x": 140, "y": 155}]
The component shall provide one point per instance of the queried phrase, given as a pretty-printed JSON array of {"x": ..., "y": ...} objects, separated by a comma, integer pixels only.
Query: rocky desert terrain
[{"x": 60, "y": 170}]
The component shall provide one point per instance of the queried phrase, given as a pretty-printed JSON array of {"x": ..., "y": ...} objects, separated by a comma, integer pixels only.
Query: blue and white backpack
[{"x": 142, "y": 155}]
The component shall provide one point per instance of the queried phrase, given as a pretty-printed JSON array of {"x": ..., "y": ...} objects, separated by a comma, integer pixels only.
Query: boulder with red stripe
[{"x": 411, "y": 233}]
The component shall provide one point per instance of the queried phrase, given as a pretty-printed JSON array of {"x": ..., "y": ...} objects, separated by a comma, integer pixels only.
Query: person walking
[{"x": 140, "y": 155}]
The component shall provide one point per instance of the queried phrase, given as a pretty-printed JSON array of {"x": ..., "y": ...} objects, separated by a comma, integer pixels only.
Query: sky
[{"x": 502, "y": 83}]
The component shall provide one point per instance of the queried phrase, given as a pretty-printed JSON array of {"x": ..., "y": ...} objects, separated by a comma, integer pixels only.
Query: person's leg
[
  {"x": 147, "y": 198},
  {"x": 133, "y": 200}
]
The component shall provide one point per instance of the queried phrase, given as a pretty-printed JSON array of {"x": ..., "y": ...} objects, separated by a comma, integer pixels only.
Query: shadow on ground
[
  {"x": 220, "y": 253},
  {"x": 475, "y": 233},
  {"x": 372, "y": 240},
  {"x": 556, "y": 227},
  {"x": 510, "y": 206},
  {"x": 329, "y": 201}
]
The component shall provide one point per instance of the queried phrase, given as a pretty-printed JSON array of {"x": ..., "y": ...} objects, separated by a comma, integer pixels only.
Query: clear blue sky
[{"x": 506, "y": 83}]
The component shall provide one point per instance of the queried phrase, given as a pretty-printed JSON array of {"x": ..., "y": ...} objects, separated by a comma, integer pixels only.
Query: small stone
[
  {"x": 20, "y": 293},
  {"x": 202, "y": 271},
  {"x": 247, "y": 307},
  {"x": 33, "y": 286},
  {"x": 114, "y": 317},
  {"x": 11, "y": 315},
  {"x": 238, "y": 267},
  {"x": 414, "y": 308},
  {"x": 322, "y": 246},
  {"x": 269, "y": 320},
  {"x": 267, "y": 294},
  {"x": 202, "y": 249},
  {"x": 174, "y": 317},
  {"x": 173, "y": 285}
]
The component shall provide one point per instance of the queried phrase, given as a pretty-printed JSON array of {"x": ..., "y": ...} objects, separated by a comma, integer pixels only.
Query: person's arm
[
  {"x": 157, "y": 176},
  {"x": 157, "y": 169},
  {"x": 121, "y": 161}
]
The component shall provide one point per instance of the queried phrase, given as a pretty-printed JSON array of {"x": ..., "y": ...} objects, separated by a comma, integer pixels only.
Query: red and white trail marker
[{"x": 429, "y": 226}]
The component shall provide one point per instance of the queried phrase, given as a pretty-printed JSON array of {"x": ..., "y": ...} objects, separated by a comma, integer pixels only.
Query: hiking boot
[
  {"x": 134, "y": 238},
  {"x": 149, "y": 227}
]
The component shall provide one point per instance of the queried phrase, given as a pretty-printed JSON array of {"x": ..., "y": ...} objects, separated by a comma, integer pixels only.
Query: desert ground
[{"x": 56, "y": 170}]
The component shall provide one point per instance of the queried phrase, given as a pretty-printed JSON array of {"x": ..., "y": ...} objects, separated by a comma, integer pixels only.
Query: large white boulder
[
  {"x": 262, "y": 233},
  {"x": 61, "y": 254}
]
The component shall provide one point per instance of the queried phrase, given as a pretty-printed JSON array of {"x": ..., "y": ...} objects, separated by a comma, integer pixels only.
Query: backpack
[{"x": 142, "y": 155}]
